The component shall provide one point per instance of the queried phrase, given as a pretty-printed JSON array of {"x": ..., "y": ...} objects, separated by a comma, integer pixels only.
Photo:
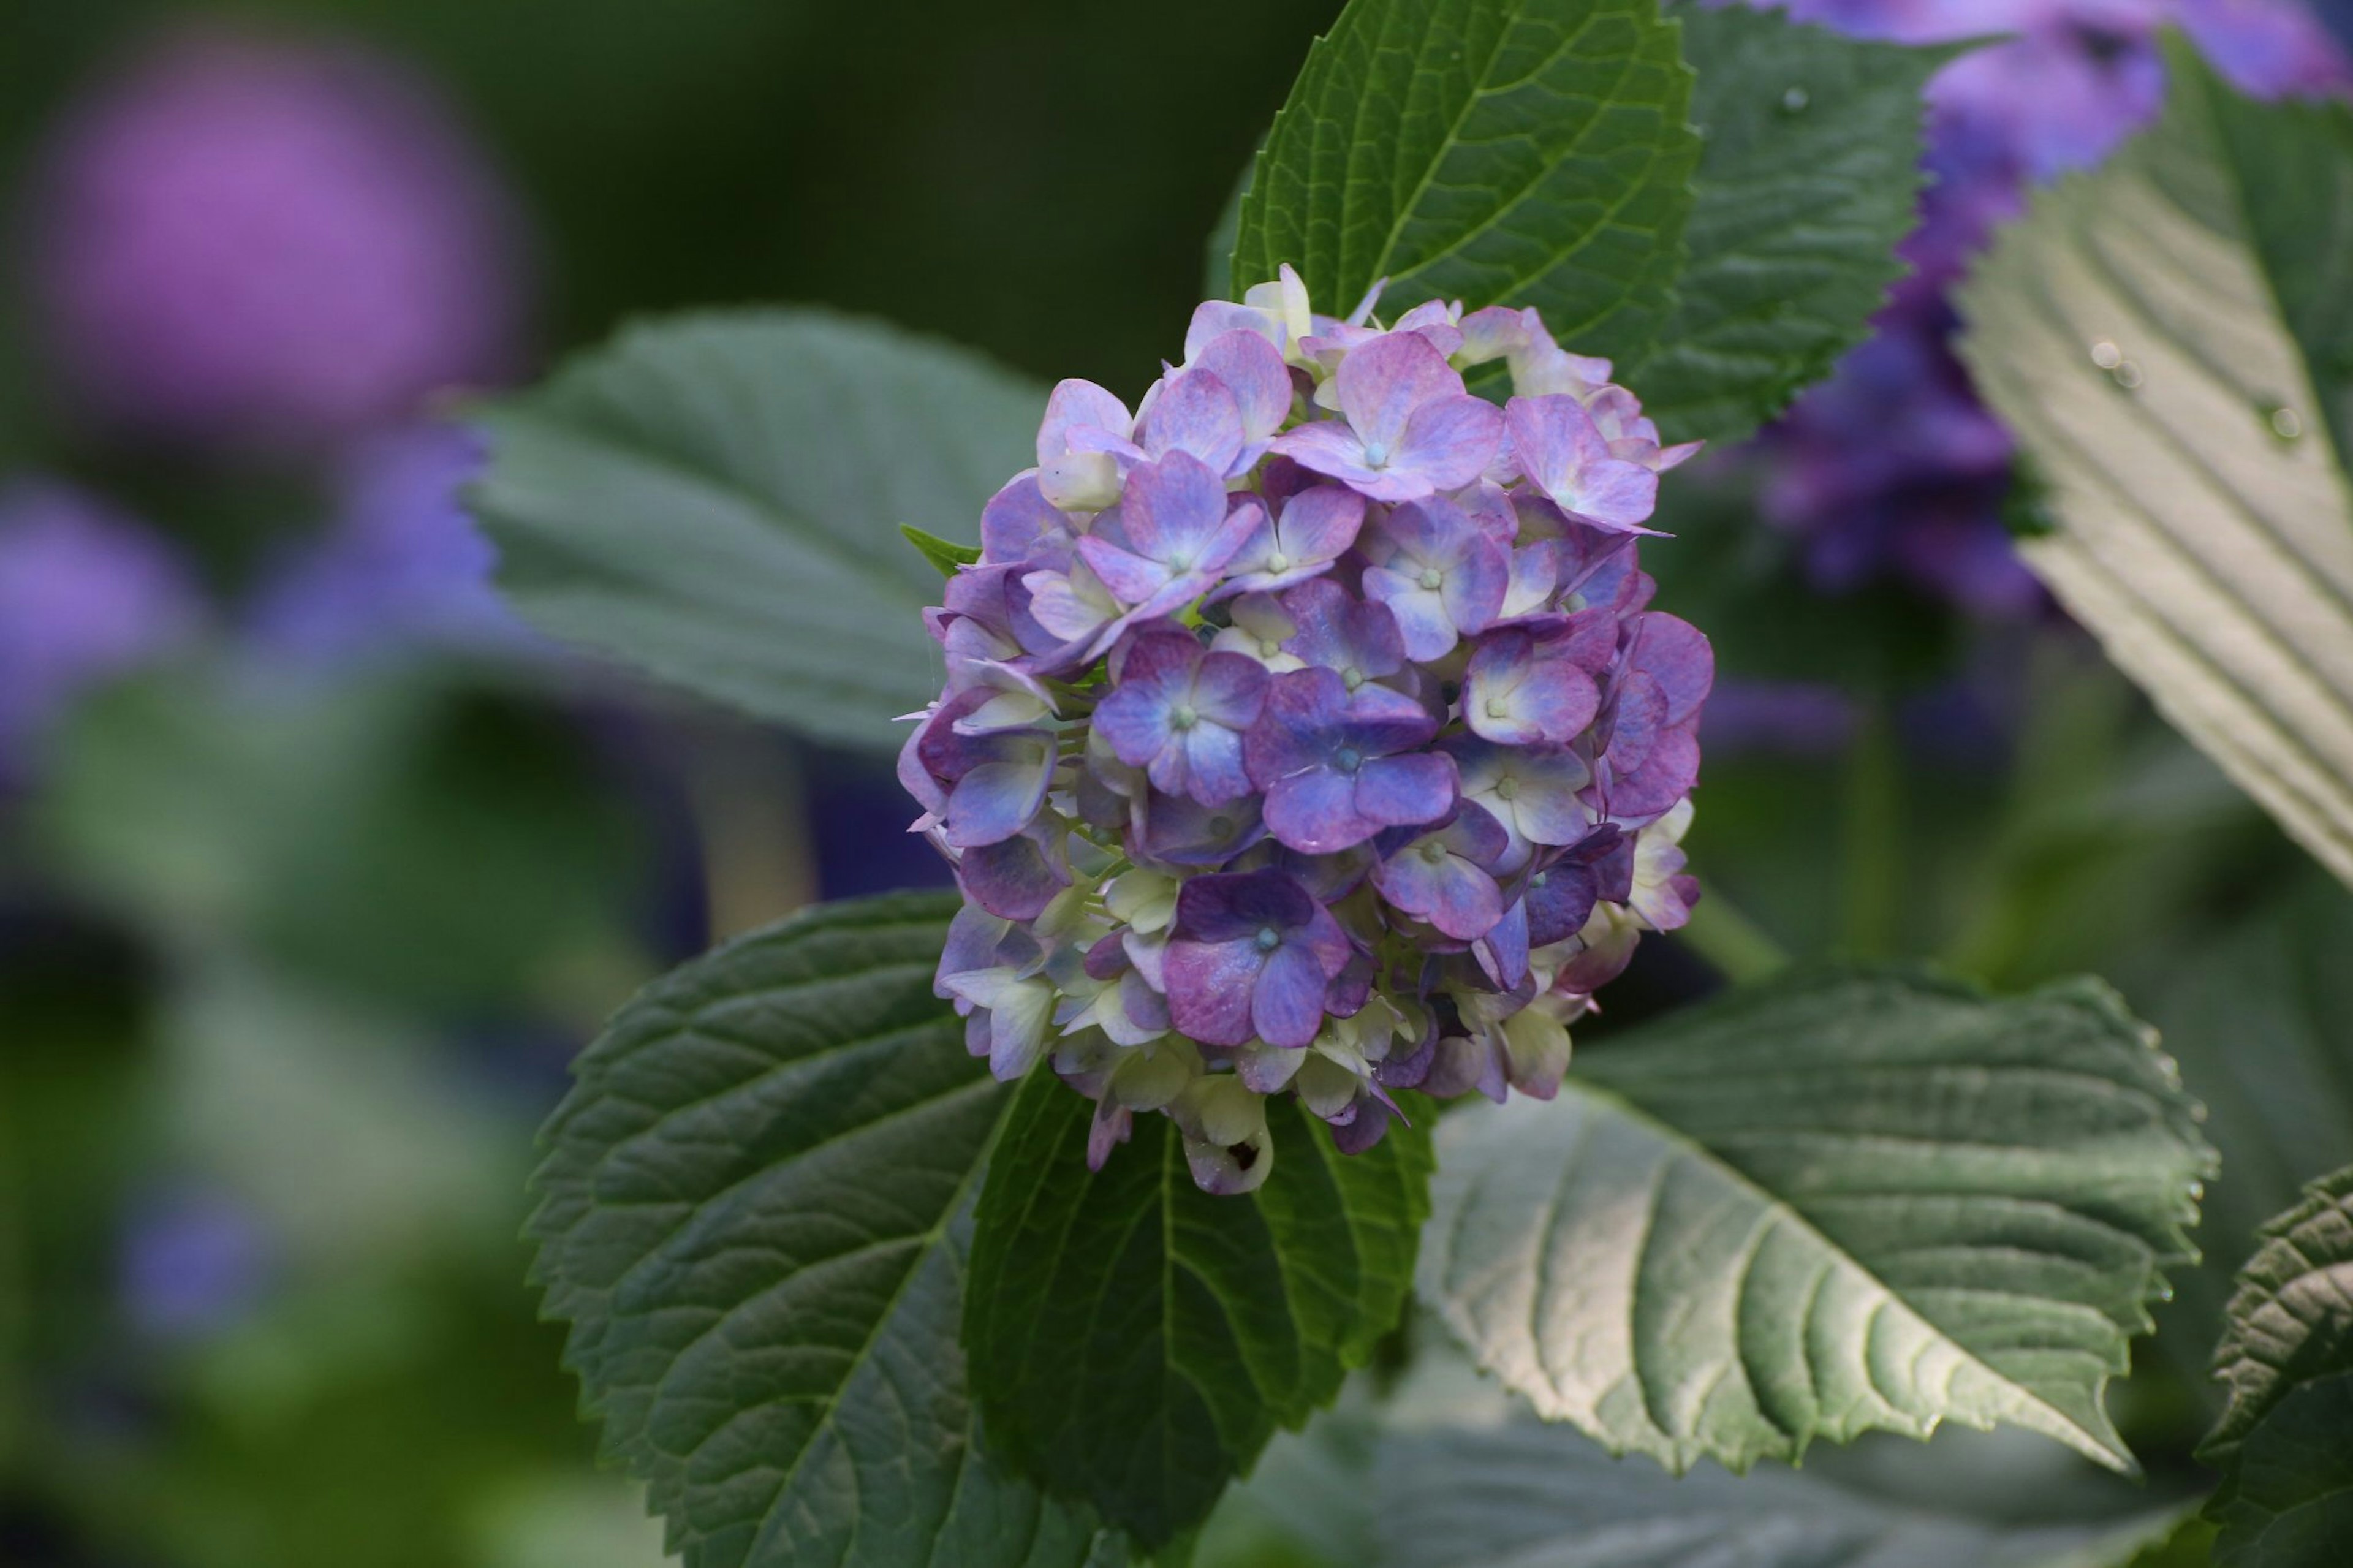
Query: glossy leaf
[
  {"x": 1135, "y": 1342},
  {"x": 2285, "y": 1441},
  {"x": 716, "y": 498},
  {"x": 1821, "y": 1206},
  {"x": 1808, "y": 179},
  {"x": 2169, "y": 340},
  {"x": 755, "y": 1213},
  {"x": 1498, "y": 151}
]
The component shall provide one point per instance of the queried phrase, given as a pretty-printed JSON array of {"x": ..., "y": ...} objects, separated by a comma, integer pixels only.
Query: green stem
[
  {"x": 1724, "y": 936},
  {"x": 1874, "y": 839}
]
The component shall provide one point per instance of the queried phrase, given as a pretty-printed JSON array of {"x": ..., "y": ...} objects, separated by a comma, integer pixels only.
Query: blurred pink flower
[{"x": 254, "y": 243}]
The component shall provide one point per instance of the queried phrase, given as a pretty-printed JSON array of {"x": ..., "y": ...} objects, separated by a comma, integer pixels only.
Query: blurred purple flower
[
  {"x": 85, "y": 594},
  {"x": 191, "y": 1264},
  {"x": 1892, "y": 468},
  {"x": 244, "y": 241},
  {"x": 400, "y": 561}
]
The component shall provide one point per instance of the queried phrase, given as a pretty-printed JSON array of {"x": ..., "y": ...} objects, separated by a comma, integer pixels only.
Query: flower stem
[{"x": 1720, "y": 932}]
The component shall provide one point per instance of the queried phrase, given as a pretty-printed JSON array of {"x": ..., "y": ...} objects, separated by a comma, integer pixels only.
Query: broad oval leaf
[
  {"x": 1453, "y": 1497},
  {"x": 755, "y": 1211},
  {"x": 1135, "y": 1341},
  {"x": 716, "y": 498},
  {"x": 2168, "y": 339},
  {"x": 1808, "y": 180},
  {"x": 1821, "y": 1206},
  {"x": 1497, "y": 152},
  {"x": 2285, "y": 1441}
]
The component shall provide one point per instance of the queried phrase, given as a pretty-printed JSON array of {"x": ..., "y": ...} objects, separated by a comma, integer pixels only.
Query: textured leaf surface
[
  {"x": 1822, "y": 1206},
  {"x": 2289, "y": 1501},
  {"x": 716, "y": 498},
  {"x": 1135, "y": 1342},
  {"x": 1498, "y": 151},
  {"x": 2172, "y": 339},
  {"x": 755, "y": 1211},
  {"x": 2285, "y": 1441},
  {"x": 1527, "y": 1493},
  {"x": 2262, "y": 1024},
  {"x": 1808, "y": 179}
]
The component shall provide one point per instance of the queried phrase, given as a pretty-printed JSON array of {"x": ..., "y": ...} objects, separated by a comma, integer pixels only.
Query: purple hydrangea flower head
[
  {"x": 1326, "y": 758},
  {"x": 247, "y": 241},
  {"x": 85, "y": 594}
]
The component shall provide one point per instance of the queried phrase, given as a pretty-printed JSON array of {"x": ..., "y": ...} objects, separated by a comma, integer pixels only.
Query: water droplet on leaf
[
  {"x": 2286, "y": 423},
  {"x": 2106, "y": 355},
  {"x": 2128, "y": 375},
  {"x": 1795, "y": 100}
]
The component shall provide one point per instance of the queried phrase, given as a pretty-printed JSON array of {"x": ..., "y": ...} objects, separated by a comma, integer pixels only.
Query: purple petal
[
  {"x": 1502, "y": 952},
  {"x": 1209, "y": 989},
  {"x": 1018, "y": 524},
  {"x": 1319, "y": 524},
  {"x": 1678, "y": 657},
  {"x": 1295, "y": 730},
  {"x": 1251, "y": 369},
  {"x": 1229, "y": 689},
  {"x": 1196, "y": 413},
  {"x": 1237, "y": 905},
  {"x": 1180, "y": 831},
  {"x": 1172, "y": 508},
  {"x": 1401, "y": 792},
  {"x": 1514, "y": 696},
  {"x": 1450, "y": 442},
  {"x": 1288, "y": 1006},
  {"x": 1424, "y": 629},
  {"x": 1666, "y": 775},
  {"x": 1363, "y": 1130},
  {"x": 1381, "y": 382},
  {"x": 995, "y": 801},
  {"x": 1328, "y": 447},
  {"x": 1131, "y": 578},
  {"x": 1212, "y": 769},
  {"x": 1315, "y": 812},
  {"x": 1077, "y": 404},
  {"x": 1339, "y": 632},
  {"x": 1613, "y": 493},
  {"x": 1113, "y": 1123},
  {"x": 1426, "y": 881},
  {"x": 1559, "y": 901},
  {"x": 1014, "y": 879}
]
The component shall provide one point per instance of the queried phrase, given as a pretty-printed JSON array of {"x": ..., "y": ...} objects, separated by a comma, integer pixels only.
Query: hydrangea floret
[{"x": 1307, "y": 730}]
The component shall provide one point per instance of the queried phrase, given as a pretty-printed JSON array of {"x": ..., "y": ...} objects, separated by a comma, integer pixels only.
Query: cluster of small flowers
[{"x": 1307, "y": 728}]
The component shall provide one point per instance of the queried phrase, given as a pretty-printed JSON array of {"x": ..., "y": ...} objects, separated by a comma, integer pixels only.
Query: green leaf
[
  {"x": 2289, "y": 1501},
  {"x": 2170, "y": 339},
  {"x": 755, "y": 1211},
  {"x": 1809, "y": 177},
  {"x": 1524, "y": 1492},
  {"x": 2262, "y": 1024},
  {"x": 943, "y": 554},
  {"x": 1135, "y": 1341},
  {"x": 713, "y": 499},
  {"x": 2285, "y": 1441},
  {"x": 1498, "y": 151},
  {"x": 1821, "y": 1206}
]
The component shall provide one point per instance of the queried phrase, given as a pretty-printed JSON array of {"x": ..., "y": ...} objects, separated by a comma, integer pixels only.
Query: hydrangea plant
[
  {"x": 1310, "y": 750},
  {"x": 1308, "y": 730}
]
